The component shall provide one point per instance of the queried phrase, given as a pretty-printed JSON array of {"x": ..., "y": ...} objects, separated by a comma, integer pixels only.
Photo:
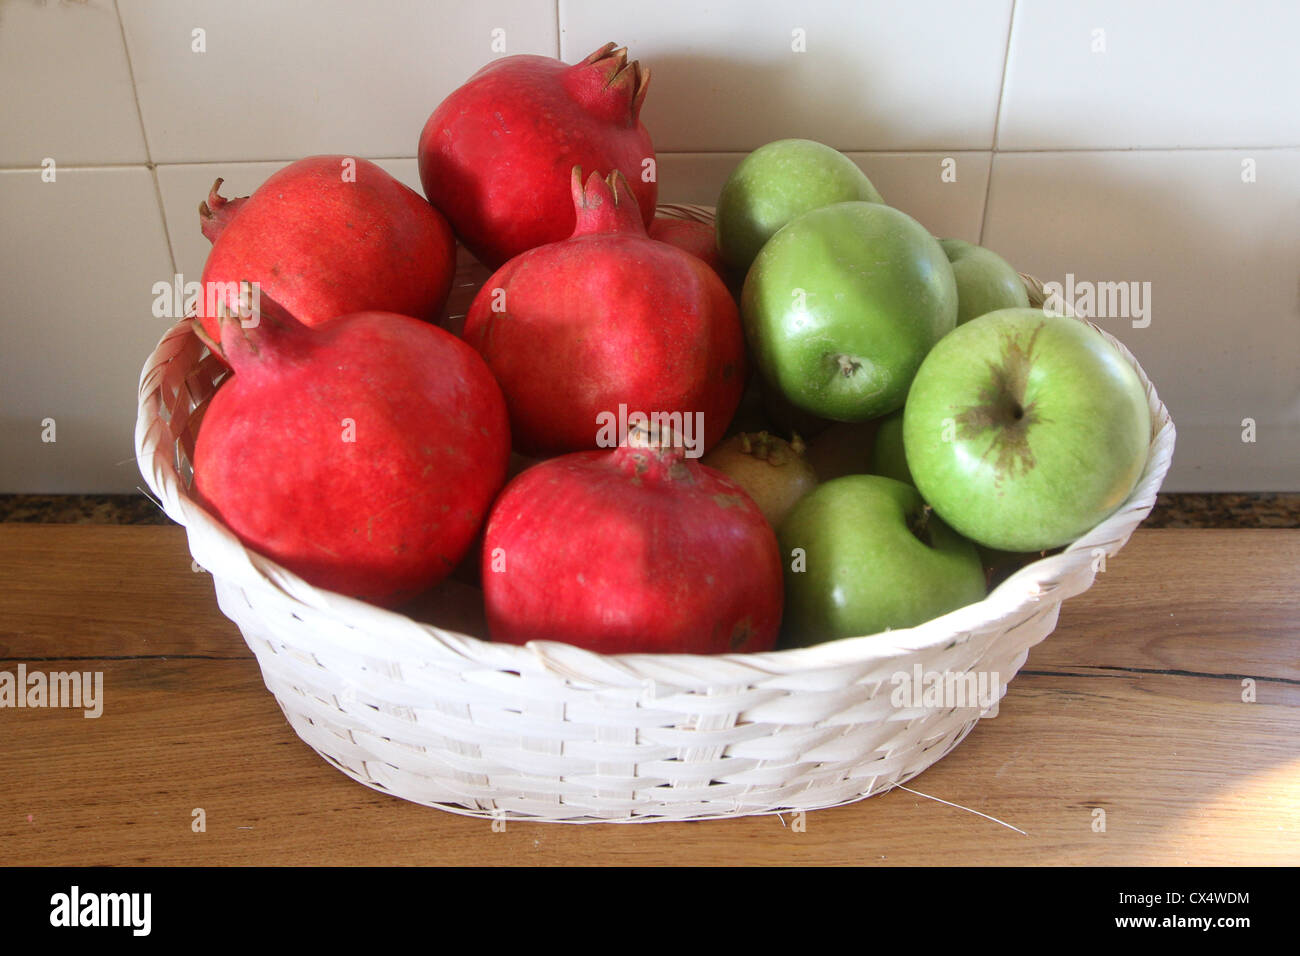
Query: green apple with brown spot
[{"x": 1024, "y": 429}]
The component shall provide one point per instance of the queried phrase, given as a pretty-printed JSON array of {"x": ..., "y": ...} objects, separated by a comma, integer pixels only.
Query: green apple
[
  {"x": 843, "y": 303},
  {"x": 1025, "y": 429},
  {"x": 985, "y": 281},
  {"x": 777, "y": 182},
  {"x": 887, "y": 455},
  {"x": 863, "y": 554}
]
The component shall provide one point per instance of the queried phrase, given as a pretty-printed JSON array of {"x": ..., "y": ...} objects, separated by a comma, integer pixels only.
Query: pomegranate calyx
[
  {"x": 216, "y": 212},
  {"x": 611, "y": 51},
  {"x": 257, "y": 332},
  {"x": 605, "y": 204},
  {"x": 606, "y": 85},
  {"x": 652, "y": 452}
]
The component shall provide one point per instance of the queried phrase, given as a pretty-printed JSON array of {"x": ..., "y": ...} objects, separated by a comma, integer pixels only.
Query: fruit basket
[{"x": 550, "y": 732}]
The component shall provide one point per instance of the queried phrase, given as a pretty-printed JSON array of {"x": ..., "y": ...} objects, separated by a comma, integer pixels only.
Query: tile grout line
[
  {"x": 135, "y": 93},
  {"x": 144, "y": 135},
  {"x": 997, "y": 122},
  {"x": 197, "y": 162},
  {"x": 920, "y": 151},
  {"x": 559, "y": 30}
]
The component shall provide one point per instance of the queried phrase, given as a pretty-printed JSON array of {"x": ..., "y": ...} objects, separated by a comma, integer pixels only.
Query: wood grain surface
[{"x": 1134, "y": 707}]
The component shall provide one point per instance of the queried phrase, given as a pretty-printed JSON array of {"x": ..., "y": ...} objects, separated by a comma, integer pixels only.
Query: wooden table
[{"x": 1133, "y": 707}]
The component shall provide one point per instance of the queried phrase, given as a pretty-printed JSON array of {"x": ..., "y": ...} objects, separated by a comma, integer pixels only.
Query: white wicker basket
[{"x": 551, "y": 732}]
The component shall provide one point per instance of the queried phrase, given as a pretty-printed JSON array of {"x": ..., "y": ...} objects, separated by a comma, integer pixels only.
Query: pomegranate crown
[
  {"x": 255, "y": 331},
  {"x": 608, "y": 86},
  {"x": 605, "y": 204},
  {"x": 653, "y": 451},
  {"x": 216, "y": 212}
]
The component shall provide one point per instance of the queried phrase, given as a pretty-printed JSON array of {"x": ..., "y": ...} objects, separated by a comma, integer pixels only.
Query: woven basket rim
[{"x": 1018, "y": 597}]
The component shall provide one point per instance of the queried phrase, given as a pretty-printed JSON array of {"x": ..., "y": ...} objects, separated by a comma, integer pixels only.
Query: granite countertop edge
[{"x": 1172, "y": 510}]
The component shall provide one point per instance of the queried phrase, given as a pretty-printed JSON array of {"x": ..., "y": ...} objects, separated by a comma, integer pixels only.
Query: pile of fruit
[{"x": 809, "y": 421}]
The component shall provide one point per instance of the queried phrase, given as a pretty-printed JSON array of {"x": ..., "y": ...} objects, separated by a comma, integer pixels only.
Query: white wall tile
[
  {"x": 694, "y": 177},
  {"x": 295, "y": 78},
  {"x": 1221, "y": 256},
  {"x": 876, "y": 74},
  {"x": 1173, "y": 73},
  {"x": 897, "y": 86},
  {"x": 914, "y": 183},
  {"x": 67, "y": 86},
  {"x": 77, "y": 287},
  {"x": 183, "y": 187}
]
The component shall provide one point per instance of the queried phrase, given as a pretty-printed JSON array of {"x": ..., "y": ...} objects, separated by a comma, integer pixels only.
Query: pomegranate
[
  {"x": 772, "y": 471},
  {"x": 362, "y": 454},
  {"x": 697, "y": 238},
  {"x": 635, "y": 550},
  {"x": 495, "y": 155},
  {"x": 607, "y": 324},
  {"x": 326, "y": 236}
]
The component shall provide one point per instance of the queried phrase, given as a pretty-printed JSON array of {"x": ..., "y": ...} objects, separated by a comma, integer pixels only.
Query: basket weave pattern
[{"x": 552, "y": 732}]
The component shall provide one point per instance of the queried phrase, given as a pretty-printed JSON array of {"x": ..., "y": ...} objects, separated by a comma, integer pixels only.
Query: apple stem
[{"x": 920, "y": 525}]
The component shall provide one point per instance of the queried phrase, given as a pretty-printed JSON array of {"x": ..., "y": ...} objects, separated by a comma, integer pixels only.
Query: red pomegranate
[
  {"x": 362, "y": 454},
  {"x": 326, "y": 236},
  {"x": 495, "y": 155},
  {"x": 606, "y": 324},
  {"x": 635, "y": 550},
  {"x": 697, "y": 238}
]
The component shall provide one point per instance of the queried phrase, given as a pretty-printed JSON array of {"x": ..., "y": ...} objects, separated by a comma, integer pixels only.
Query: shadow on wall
[{"x": 778, "y": 97}]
